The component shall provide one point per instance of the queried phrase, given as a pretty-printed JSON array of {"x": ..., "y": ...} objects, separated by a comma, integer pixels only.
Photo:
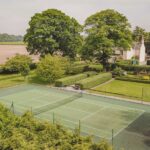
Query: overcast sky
[{"x": 15, "y": 14}]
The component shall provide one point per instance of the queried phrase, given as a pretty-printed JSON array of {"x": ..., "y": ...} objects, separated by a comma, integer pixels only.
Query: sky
[{"x": 15, "y": 14}]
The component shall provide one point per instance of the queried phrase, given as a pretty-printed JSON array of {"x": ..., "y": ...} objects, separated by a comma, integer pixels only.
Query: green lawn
[
  {"x": 15, "y": 79},
  {"x": 11, "y": 43},
  {"x": 133, "y": 90}
]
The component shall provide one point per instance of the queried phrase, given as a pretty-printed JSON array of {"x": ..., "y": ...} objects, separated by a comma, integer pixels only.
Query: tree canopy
[
  {"x": 139, "y": 33},
  {"x": 53, "y": 31},
  {"x": 106, "y": 31},
  {"x": 10, "y": 38}
]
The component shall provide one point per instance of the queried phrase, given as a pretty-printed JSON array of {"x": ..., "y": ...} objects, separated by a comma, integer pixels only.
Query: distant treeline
[{"x": 10, "y": 38}]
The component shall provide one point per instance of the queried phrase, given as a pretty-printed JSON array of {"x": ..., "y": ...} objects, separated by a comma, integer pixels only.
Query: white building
[{"x": 138, "y": 51}]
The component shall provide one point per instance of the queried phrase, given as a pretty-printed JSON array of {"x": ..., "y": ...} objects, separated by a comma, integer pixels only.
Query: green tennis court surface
[{"x": 98, "y": 116}]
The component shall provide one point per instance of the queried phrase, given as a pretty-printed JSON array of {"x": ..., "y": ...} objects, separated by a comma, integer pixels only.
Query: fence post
[
  {"x": 53, "y": 118},
  {"x": 142, "y": 95},
  {"x": 12, "y": 107},
  {"x": 79, "y": 127},
  {"x": 112, "y": 140}
]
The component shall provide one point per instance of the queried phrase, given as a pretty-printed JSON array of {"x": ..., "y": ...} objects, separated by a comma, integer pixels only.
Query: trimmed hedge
[
  {"x": 94, "y": 81},
  {"x": 135, "y": 68},
  {"x": 95, "y": 67},
  {"x": 4, "y": 70},
  {"x": 90, "y": 73},
  {"x": 132, "y": 80},
  {"x": 76, "y": 69},
  {"x": 70, "y": 80}
]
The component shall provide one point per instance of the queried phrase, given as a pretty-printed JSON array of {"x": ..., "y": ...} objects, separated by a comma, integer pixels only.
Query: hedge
[
  {"x": 3, "y": 70},
  {"x": 70, "y": 80},
  {"x": 94, "y": 81},
  {"x": 132, "y": 80},
  {"x": 90, "y": 73},
  {"x": 95, "y": 67},
  {"x": 76, "y": 69},
  {"x": 135, "y": 68}
]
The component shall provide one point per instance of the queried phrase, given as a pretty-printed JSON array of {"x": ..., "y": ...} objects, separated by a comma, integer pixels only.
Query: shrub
[
  {"x": 15, "y": 63},
  {"x": 76, "y": 69},
  {"x": 118, "y": 72},
  {"x": 96, "y": 67},
  {"x": 50, "y": 68},
  {"x": 70, "y": 80},
  {"x": 134, "y": 68},
  {"x": 94, "y": 81},
  {"x": 90, "y": 73},
  {"x": 133, "y": 79}
]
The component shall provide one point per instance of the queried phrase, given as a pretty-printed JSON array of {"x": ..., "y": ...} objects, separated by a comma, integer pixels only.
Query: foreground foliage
[{"x": 26, "y": 133}]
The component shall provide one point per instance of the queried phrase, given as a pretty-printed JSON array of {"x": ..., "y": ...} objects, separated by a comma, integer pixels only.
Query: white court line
[
  {"x": 129, "y": 123},
  {"x": 76, "y": 109},
  {"x": 92, "y": 114},
  {"x": 114, "y": 106}
]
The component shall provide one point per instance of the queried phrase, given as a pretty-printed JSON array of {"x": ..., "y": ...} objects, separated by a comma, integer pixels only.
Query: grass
[
  {"x": 12, "y": 43},
  {"x": 132, "y": 90},
  {"x": 8, "y": 80}
]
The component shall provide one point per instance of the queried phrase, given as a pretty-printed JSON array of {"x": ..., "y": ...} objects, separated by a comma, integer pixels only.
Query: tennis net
[{"x": 56, "y": 104}]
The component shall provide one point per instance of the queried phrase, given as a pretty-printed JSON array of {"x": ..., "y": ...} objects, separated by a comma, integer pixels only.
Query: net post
[
  {"x": 112, "y": 139},
  {"x": 53, "y": 117}
]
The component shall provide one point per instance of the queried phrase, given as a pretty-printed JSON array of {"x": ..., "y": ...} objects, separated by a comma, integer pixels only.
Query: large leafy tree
[
  {"x": 53, "y": 31},
  {"x": 106, "y": 31},
  {"x": 138, "y": 33}
]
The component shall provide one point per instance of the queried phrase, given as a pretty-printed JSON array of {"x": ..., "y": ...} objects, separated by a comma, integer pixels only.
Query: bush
[
  {"x": 134, "y": 68},
  {"x": 76, "y": 69},
  {"x": 118, "y": 72},
  {"x": 133, "y": 79},
  {"x": 50, "y": 68},
  {"x": 70, "y": 80},
  {"x": 94, "y": 81},
  {"x": 15, "y": 63},
  {"x": 90, "y": 73},
  {"x": 96, "y": 67}
]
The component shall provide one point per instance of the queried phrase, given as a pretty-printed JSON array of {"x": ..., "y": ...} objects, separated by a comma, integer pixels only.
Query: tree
[
  {"x": 15, "y": 63},
  {"x": 51, "y": 68},
  {"x": 52, "y": 31},
  {"x": 106, "y": 31},
  {"x": 138, "y": 33},
  {"x": 10, "y": 38}
]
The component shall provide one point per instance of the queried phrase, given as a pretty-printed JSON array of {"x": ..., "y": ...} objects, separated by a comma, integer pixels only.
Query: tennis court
[{"x": 94, "y": 115}]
